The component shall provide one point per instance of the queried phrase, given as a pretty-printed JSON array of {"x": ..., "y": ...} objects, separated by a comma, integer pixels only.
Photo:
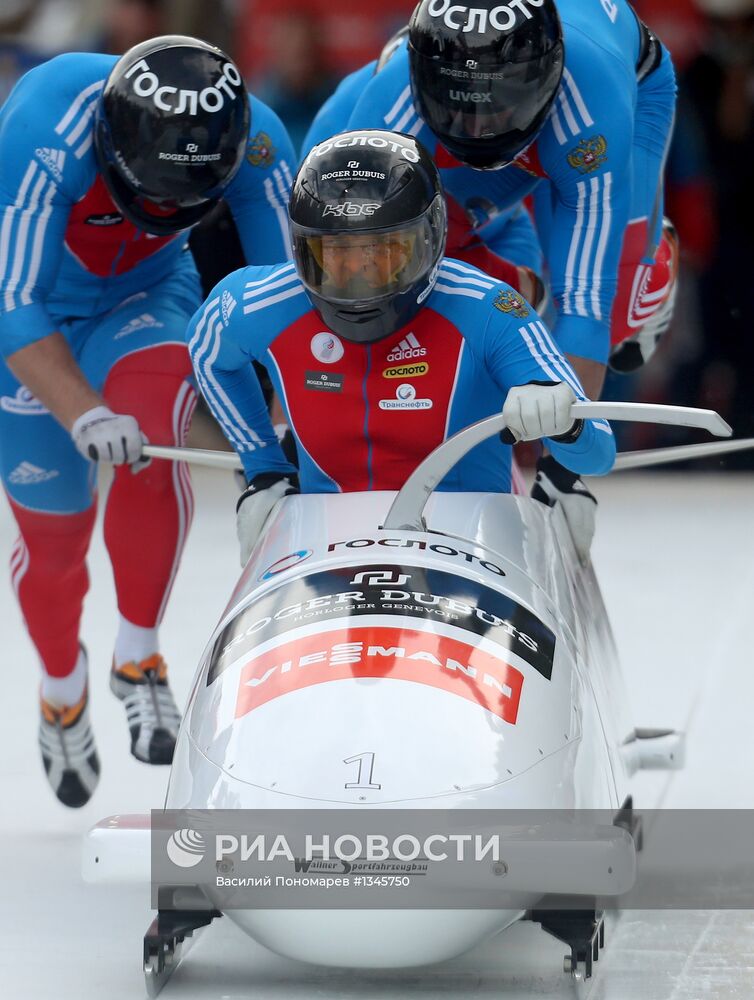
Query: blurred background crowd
[{"x": 293, "y": 53}]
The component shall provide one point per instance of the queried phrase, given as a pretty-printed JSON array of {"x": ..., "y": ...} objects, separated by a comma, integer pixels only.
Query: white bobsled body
[{"x": 467, "y": 666}]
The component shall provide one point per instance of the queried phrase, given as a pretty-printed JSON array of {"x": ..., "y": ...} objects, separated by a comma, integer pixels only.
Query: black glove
[
  {"x": 554, "y": 484},
  {"x": 255, "y": 504}
]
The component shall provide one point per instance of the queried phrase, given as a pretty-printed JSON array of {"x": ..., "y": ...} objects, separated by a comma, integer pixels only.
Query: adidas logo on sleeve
[{"x": 53, "y": 159}]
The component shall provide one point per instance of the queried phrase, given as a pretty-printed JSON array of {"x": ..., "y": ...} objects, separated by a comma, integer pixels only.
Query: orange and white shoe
[
  {"x": 69, "y": 754},
  {"x": 152, "y": 715}
]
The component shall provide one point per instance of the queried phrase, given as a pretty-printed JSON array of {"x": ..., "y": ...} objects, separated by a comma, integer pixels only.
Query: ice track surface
[{"x": 675, "y": 556}]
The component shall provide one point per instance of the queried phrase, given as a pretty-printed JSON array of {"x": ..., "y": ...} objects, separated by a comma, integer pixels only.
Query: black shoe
[
  {"x": 68, "y": 751},
  {"x": 153, "y": 718}
]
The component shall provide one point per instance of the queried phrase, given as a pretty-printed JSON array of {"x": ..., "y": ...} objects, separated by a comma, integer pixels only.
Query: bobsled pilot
[
  {"x": 105, "y": 164},
  {"x": 378, "y": 346}
]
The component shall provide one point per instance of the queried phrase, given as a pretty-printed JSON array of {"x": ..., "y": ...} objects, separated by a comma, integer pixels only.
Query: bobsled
[{"x": 409, "y": 651}]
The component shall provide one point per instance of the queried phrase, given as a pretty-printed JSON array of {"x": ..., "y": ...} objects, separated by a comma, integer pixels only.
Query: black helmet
[
  {"x": 171, "y": 131},
  {"x": 368, "y": 226},
  {"x": 484, "y": 77}
]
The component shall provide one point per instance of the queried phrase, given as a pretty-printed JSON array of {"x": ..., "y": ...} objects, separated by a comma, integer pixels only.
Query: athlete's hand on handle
[
  {"x": 104, "y": 436},
  {"x": 540, "y": 409},
  {"x": 256, "y": 503}
]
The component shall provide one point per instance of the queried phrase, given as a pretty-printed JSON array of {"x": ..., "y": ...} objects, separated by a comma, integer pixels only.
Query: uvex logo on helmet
[
  {"x": 408, "y": 152},
  {"x": 503, "y": 17},
  {"x": 167, "y": 98},
  {"x": 473, "y": 96}
]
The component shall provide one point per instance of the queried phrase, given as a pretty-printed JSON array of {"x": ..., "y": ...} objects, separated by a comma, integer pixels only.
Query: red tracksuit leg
[
  {"x": 148, "y": 515},
  {"x": 48, "y": 567}
]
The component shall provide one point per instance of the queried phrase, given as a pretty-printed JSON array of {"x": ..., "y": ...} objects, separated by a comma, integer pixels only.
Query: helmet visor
[
  {"x": 359, "y": 267},
  {"x": 504, "y": 107},
  {"x": 159, "y": 216}
]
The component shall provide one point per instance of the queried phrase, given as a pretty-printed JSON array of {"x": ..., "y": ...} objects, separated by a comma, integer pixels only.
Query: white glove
[
  {"x": 256, "y": 503},
  {"x": 557, "y": 485},
  {"x": 535, "y": 411},
  {"x": 102, "y": 435}
]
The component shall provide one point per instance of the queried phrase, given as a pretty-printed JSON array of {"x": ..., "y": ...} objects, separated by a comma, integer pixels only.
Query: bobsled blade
[{"x": 167, "y": 942}]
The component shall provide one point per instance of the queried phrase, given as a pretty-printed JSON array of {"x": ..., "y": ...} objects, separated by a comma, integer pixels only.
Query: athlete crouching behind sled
[{"x": 378, "y": 346}]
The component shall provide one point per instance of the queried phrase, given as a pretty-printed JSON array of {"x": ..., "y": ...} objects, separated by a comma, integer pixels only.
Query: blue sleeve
[
  {"x": 385, "y": 100},
  {"x": 223, "y": 345},
  {"x": 585, "y": 148},
  {"x": 512, "y": 236},
  {"x": 45, "y": 167},
  {"x": 518, "y": 349},
  {"x": 334, "y": 114},
  {"x": 258, "y": 194}
]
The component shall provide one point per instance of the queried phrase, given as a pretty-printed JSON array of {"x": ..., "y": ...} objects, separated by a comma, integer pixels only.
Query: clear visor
[{"x": 361, "y": 266}]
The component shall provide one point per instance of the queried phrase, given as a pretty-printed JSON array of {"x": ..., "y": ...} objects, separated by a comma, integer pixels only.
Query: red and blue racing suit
[
  {"x": 364, "y": 415},
  {"x": 70, "y": 262}
]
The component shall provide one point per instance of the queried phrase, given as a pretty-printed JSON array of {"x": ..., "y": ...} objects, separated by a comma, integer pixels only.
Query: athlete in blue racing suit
[
  {"x": 596, "y": 146},
  {"x": 105, "y": 164},
  {"x": 379, "y": 346}
]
